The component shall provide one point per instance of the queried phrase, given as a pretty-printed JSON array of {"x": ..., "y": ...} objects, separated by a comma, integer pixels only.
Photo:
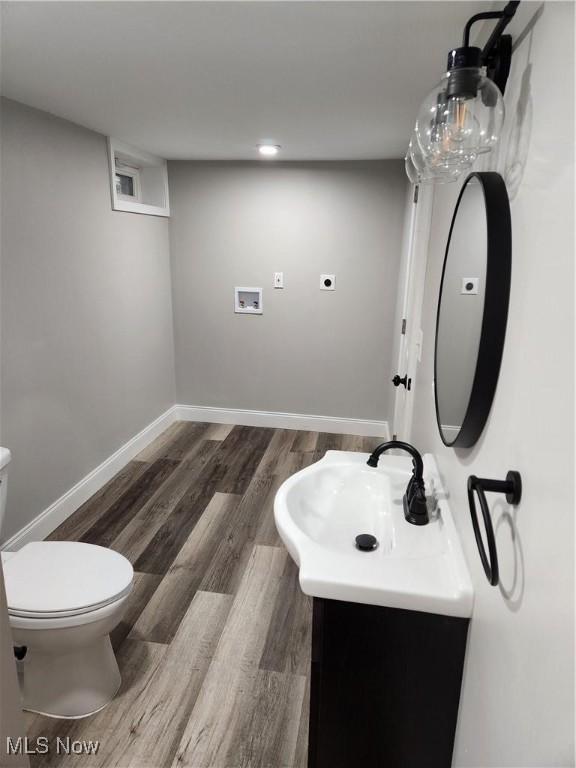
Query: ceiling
[{"x": 209, "y": 80}]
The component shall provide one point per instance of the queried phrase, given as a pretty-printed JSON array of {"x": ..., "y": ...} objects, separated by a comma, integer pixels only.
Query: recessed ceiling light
[{"x": 268, "y": 150}]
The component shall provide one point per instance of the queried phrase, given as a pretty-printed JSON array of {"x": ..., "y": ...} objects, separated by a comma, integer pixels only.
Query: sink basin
[{"x": 320, "y": 510}]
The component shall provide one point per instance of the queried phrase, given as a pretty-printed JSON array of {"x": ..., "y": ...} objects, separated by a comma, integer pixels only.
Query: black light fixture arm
[
  {"x": 495, "y": 56},
  {"x": 473, "y": 19},
  {"x": 505, "y": 17}
]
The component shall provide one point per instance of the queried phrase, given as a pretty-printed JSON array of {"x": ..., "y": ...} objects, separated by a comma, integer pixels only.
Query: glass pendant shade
[
  {"x": 420, "y": 172},
  {"x": 411, "y": 171},
  {"x": 460, "y": 119}
]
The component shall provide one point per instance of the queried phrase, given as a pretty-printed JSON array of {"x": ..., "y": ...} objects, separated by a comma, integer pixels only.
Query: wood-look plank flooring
[{"x": 214, "y": 647}]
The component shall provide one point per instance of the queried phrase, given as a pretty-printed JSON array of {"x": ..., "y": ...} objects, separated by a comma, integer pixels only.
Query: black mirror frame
[{"x": 496, "y": 300}]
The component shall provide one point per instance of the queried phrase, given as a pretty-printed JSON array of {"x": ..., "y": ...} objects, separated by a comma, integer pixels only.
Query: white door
[{"x": 411, "y": 287}]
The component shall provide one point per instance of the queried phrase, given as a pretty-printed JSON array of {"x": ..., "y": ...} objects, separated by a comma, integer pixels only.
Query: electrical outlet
[
  {"x": 470, "y": 285},
  {"x": 327, "y": 282},
  {"x": 278, "y": 279}
]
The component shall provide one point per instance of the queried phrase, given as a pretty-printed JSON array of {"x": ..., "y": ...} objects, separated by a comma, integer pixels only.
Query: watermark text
[{"x": 42, "y": 745}]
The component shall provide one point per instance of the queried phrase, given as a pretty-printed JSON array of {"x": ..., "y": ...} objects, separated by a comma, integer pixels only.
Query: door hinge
[
  {"x": 403, "y": 331},
  {"x": 416, "y": 188}
]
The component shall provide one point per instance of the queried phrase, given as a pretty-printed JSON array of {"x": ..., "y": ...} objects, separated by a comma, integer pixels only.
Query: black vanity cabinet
[{"x": 385, "y": 686}]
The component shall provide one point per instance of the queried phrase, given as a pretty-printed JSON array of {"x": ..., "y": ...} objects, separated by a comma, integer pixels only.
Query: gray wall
[
  {"x": 517, "y": 706},
  {"x": 86, "y": 317},
  {"x": 312, "y": 351}
]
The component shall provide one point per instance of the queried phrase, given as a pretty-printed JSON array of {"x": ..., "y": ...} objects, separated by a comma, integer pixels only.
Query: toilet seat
[
  {"x": 66, "y": 614},
  {"x": 59, "y": 580},
  {"x": 77, "y": 621}
]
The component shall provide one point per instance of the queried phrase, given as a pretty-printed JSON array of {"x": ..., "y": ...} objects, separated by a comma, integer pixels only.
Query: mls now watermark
[{"x": 43, "y": 746}]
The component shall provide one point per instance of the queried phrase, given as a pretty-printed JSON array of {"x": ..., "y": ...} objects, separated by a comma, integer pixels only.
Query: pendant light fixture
[
  {"x": 419, "y": 172},
  {"x": 462, "y": 116}
]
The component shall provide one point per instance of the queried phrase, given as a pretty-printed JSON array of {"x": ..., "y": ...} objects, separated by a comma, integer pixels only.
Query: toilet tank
[{"x": 5, "y": 457}]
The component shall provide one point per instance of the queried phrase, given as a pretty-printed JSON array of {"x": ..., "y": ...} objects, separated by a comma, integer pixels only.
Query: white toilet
[{"x": 64, "y": 598}]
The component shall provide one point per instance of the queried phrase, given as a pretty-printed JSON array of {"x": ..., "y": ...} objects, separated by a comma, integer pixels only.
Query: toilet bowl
[{"x": 64, "y": 599}]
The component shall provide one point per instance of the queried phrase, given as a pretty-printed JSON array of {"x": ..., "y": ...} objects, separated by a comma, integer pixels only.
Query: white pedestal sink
[{"x": 320, "y": 510}]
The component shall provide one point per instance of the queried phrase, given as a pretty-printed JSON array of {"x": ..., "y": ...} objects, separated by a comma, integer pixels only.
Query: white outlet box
[
  {"x": 278, "y": 279},
  {"x": 327, "y": 282},
  {"x": 248, "y": 301}
]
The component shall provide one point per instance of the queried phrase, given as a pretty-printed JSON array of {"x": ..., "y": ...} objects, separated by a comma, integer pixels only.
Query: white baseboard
[
  {"x": 56, "y": 513},
  {"x": 279, "y": 420}
]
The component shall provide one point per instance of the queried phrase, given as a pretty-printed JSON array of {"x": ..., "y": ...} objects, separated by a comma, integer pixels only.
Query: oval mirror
[{"x": 472, "y": 309}]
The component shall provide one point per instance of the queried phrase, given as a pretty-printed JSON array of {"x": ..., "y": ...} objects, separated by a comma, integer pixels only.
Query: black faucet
[{"x": 415, "y": 508}]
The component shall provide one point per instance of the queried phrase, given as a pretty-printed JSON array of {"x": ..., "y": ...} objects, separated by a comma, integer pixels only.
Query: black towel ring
[{"x": 512, "y": 487}]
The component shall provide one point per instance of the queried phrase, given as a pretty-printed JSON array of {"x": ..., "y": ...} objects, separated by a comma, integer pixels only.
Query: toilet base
[{"x": 74, "y": 683}]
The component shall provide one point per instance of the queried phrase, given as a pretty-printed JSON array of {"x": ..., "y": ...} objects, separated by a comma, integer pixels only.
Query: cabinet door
[{"x": 385, "y": 687}]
